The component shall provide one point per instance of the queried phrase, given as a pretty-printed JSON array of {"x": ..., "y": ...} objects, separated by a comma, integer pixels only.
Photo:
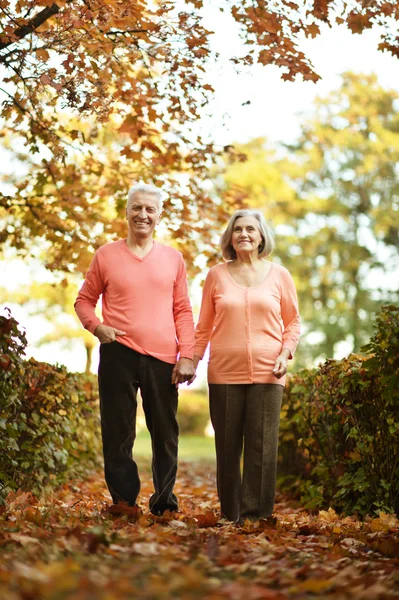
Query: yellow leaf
[
  {"x": 328, "y": 515},
  {"x": 337, "y": 529},
  {"x": 384, "y": 522},
  {"x": 315, "y": 585}
]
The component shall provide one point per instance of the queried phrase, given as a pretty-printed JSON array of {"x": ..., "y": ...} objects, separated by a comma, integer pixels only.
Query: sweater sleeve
[
  {"x": 204, "y": 328},
  {"x": 183, "y": 314},
  {"x": 86, "y": 301},
  {"x": 290, "y": 313}
]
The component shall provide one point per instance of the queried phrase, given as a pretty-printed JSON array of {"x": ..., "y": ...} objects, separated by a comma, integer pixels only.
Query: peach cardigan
[
  {"x": 247, "y": 326},
  {"x": 145, "y": 297}
]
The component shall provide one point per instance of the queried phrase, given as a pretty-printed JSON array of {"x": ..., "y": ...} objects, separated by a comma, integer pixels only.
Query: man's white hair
[{"x": 145, "y": 188}]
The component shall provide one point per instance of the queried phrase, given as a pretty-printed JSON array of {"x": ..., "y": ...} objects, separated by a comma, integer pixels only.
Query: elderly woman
[{"x": 249, "y": 313}]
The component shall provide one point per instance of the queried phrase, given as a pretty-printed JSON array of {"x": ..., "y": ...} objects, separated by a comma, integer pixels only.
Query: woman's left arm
[{"x": 291, "y": 322}]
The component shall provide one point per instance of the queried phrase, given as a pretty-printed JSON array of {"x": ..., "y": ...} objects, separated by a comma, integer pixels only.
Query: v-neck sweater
[
  {"x": 247, "y": 326},
  {"x": 145, "y": 297}
]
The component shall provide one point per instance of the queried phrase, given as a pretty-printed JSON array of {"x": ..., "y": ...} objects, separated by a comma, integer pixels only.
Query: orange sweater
[
  {"x": 247, "y": 326},
  {"x": 145, "y": 297}
]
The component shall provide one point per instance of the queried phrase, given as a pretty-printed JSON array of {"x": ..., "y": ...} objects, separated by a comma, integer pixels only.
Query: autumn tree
[
  {"x": 347, "y": 253},
  {"x": 97, "y": 95},
  {"x": 76, "y": 71},
  {"x": 333, "y": 201}
]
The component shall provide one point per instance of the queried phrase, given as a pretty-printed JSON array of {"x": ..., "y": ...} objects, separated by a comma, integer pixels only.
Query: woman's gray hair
[
  {"x": 267, "y": 245},
  {"x": 145, "y": 188}
]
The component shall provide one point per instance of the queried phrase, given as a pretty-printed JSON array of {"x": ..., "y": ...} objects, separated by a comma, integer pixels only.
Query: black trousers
[
  {"x": 122, "y": 372},
  {"x": 246, "y": 415}
]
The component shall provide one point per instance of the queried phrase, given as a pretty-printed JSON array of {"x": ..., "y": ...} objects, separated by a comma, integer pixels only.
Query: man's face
[{"x": 142, "y": 214}]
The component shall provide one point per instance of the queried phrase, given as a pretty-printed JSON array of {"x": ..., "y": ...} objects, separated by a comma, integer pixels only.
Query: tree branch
[
  {"x": 125, "y": 32},
  {"x": 33, "y": 24}
]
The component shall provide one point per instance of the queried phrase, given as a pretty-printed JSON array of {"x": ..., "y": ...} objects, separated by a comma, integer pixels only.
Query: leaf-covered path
[{"x": 69, "y": 546}]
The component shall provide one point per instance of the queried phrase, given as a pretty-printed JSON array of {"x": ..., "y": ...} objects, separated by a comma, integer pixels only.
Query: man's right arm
[
  {"x": 86, "y": 302},
  {"x": 107, "y": 334}
]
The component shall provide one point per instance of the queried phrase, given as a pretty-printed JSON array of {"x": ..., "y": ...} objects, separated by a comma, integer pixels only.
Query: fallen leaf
[
  {"x": 315, "y": 586},
  {"x": 328, "y": 515},
  {"x": 147, "y": 549},
  {"x": 23, "y": 539},
  {"x": 209, "y": 519}
]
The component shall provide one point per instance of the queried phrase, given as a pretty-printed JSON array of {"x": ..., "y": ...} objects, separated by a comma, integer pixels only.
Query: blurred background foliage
[
  {"x": 332, "y": 198},
  {"x": 333, "y": 201}
]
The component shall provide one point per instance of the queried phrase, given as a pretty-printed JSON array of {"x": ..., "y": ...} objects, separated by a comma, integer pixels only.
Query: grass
[{"x": 191, "y": 447}]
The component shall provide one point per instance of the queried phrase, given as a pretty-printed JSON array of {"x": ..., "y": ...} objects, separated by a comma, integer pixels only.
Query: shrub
[
  {"x": 193, "y": 412},
  {"x": 12, "y": 349},
  {"x": 340, "y": 430},
  {"x": 48, "y": 417}
]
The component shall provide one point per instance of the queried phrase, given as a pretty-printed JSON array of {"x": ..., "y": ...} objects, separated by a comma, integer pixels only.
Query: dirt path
[{"x": 68, "y": 546}]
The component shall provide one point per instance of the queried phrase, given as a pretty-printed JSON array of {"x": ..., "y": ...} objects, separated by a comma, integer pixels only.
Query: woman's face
[{"x": 246, "y": 237}]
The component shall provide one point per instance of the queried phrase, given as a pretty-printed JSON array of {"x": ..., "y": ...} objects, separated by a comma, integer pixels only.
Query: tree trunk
[
  {"x": 89, "y": 353},
  {"x": 355, "y": 312}
]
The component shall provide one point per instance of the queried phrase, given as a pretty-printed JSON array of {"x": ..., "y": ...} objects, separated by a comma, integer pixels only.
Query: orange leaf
[
  {"x": 129, "y": 124},
  {"x": 209, "y": 519},
  {"x": 313, "y": 30},
  {"x": 5, "y": 361},
  {"x": 42, "y": 54}
]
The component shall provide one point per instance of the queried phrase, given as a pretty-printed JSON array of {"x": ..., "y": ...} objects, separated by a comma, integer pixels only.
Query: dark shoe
[
  {"x": 161, "y": 511},
  {"x": 134, "y": 512},
  {"x": 254, "y": 524}
]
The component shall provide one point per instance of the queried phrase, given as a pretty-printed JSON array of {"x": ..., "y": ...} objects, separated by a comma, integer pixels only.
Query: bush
[
  {"x": 340, "y": 427},
  {"x": 12, "y": 349},
  {"x": 48, "y": 417},
  {"x": 193, "y": 412}
]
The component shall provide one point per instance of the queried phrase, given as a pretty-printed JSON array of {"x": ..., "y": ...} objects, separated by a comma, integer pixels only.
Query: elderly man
[{"x": 147, "y": 323}]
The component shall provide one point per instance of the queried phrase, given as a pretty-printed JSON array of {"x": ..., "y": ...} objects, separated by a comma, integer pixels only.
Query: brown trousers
[{"x": 246, "y": 415}]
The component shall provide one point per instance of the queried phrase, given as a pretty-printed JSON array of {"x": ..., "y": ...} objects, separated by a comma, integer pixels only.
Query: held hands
[
  {"x": 183, "y": 371},
  {"x": 107, "y": 334}
]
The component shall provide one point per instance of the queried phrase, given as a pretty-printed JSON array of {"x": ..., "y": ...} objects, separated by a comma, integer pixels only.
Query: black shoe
[
  {"x": 124, "y": 508},
  {"x": 160, "y": 511}
]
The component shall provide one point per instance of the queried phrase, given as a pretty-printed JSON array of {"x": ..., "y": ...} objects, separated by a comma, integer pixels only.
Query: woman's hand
[
  {"x": 280, "y": 366},
  {"x": 196, "y": 361}
]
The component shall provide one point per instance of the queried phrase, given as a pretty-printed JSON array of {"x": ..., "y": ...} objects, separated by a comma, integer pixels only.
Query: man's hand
[
  {"x": 107, "y": 334},
  {"x": 183, "y": 370}
]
